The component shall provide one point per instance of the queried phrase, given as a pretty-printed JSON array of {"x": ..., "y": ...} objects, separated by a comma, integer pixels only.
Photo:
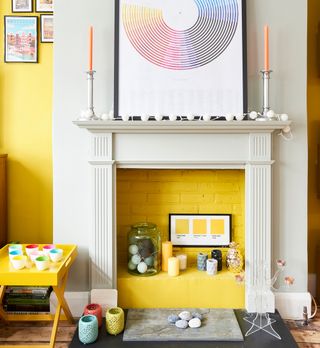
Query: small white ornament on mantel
[
  {"x": 271, "y": 114},
  {"x": 253, "y": 115},
  {"x": 172, "y": 117},
  {"x": 206, "y": 117},
  {"x": 284, "y": 117},
  {"x": 158, "y": 117},
  {"x": 125, "y": 117},
  {"x": 144, "y": 117},
  {"x": 229, "y": 117},
  {"x": 105, "y": 117},
  {"x": 239, "y": 117},
  {"x": 190, "y": 117}
]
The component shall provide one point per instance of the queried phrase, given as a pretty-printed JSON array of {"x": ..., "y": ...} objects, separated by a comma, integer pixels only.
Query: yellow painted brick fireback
[{"x": 151, "y": 195}]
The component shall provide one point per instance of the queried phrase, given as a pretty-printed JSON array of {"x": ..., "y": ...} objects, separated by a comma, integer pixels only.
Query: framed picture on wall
[
  {"x": 20, "y": 39},
  {"x": 44, "y": 5},
  {"x": 46, "y": 27},
  {"x": 22, "y": 5},
  {"x": 200, "y": 230},
  {"x": 180, "y": 57}
]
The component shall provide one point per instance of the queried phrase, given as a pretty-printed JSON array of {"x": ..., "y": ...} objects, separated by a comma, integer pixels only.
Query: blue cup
[
  {"x": 88, "y": 329},
  {"x": 14, "y": 253}
]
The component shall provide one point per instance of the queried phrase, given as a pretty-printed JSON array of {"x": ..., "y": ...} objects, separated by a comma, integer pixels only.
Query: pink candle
[
  {"x": 266, "y": 48},
  {"x": 90, "y": 47}
]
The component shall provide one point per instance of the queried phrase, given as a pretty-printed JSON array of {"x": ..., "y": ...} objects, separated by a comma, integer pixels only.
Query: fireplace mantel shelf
[{"x": 182, "y": 126}]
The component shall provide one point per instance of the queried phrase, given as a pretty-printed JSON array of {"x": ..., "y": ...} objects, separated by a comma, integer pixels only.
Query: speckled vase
[
  {"x": 115, "y": 320},
  {"x": 202, "y": 261},
  {"x": 94, "y": 309},
  {"x": 88, "y": 329}
]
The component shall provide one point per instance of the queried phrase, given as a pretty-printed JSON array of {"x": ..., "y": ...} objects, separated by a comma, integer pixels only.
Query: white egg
[
  {"x": 172, "y": 117},
  {"x": 239, "y": 117},
  {"x": 284, "y": 117},
  {"x": 110, "y": 115},
  {"x": 253, "y": 115},
  {"x": 104, "y": 117},
  {"x": 229, "y": 117},
  {"x": 158, "y": 117},
  {"x": 133, "y": 249},
  {"x": 190, "y": 117},
  {"x": 125, "y": 117},
  {"x": 144, "y": 117},
  {"x": 142, "y": 267},
  {"x": 136, "y": 259},
  {"x": 206, "y": 117},
  {"x": 271, "y": 114}
]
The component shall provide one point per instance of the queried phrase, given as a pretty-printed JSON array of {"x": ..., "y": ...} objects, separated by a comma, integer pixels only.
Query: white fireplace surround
[{"x": 185, "y": 145}]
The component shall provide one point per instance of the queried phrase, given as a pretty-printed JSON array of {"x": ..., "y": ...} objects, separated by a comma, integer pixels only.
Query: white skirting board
[
  {"x": 76, "y": 301},
  {"x": 290, "y": 304}
]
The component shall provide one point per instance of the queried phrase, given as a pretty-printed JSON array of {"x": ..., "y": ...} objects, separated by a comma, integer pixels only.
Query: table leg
[
  {"x": 55, "y": 326},
  {"x": 2, "y": 292},
  {"x": 59, "y": 291}
]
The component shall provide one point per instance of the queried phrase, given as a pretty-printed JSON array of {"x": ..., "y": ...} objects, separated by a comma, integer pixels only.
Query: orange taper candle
[
  {"x": 90, "y": 47},
  {"x": 266, "y": 48},
  {"x": 166, "y": 254}
]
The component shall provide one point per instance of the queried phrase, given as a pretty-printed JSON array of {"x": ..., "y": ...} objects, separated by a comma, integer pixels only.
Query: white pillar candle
[
  {"x": 173, "y": 267},
  {"x": 182, "y": 261},
  {"x": 212, "y": 266}
]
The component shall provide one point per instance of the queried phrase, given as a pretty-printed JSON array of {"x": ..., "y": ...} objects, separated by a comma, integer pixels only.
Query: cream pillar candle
[
  {"x": 173, "y": 267},
  {"x": 166, "y": 253},
  {"x": 182, "y": 261}
]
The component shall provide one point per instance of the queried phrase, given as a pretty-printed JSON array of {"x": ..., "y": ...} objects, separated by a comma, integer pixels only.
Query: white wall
[{"x": 287, "y": 21}]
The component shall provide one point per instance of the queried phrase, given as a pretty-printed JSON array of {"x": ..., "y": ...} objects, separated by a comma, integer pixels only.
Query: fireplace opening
[{"x": 151, "y": 195}]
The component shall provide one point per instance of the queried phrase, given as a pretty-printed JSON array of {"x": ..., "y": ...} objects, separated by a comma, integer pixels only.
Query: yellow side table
[{"x": 56, "y": 276}]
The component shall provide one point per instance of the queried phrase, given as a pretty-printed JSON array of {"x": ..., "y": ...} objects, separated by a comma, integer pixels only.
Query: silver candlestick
[
  {"x": 266, "y": 107},
  {"x": 90, "y": 111}
]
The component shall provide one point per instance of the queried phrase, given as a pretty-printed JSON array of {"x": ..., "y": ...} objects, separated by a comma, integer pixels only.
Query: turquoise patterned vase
[
  {"x": 202, "y": 261},
  {"x": 88, "y": 329}
]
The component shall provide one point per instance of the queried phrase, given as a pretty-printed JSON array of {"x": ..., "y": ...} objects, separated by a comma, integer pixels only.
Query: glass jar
[{"x": 144, "y": 243}]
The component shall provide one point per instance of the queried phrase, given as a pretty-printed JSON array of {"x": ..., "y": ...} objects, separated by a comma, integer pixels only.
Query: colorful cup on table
[
  {"x": 34, "y": 254},
  {"x": 14, "y": 252},
  {"x": 46, "y": 248},
  {"x": 31, "y": 247},
  {"x": 14, "y": 247},
  {"x": 56, "y": 255},
  {"x": 42, "y": 262},
  {"x": 19, "y": 261}
]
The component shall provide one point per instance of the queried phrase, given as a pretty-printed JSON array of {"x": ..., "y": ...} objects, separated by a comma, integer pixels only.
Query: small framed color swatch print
[{"x": 200, "y": 230}]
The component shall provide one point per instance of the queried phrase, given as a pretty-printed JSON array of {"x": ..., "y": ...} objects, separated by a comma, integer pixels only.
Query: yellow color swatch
[
  {"x": 182, "y": 226},
  {"x": 217, "y": 227},
  {"x": 200, "y": 226}
]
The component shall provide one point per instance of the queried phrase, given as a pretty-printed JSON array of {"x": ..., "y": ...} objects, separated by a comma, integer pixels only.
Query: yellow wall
[
  {"x": 25, "y": 134},
  {"x": 313, "y": 130},
  {"x": 150, "y": 195}
]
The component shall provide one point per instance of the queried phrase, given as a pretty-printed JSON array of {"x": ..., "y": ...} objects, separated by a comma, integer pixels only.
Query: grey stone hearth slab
[{"x": 152, "y": 325}]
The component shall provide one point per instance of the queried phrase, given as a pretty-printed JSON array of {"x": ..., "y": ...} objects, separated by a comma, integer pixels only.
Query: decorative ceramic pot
[
  {"x": 202, "y": 261},
  {"x": 114, "y": 320},
  {"x": 234, "y": 258},
  {"x": 144, "y": 243},
  {"x": 88, "y": 329},
  {"x": 94, "y": 309}
]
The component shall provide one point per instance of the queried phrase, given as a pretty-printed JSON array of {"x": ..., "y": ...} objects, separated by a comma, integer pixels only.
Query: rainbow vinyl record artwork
[{"x": 181, "y": 57}]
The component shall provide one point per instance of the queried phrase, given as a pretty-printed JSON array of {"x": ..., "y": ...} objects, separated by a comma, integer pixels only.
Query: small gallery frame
[
  {"x": 44, "y": 5},
  {"x": 200, "y": 230},
  {"x": 21, "y": 39},
  {"x": 21, "y": 6},
  {"x": 46, "y": 28}
]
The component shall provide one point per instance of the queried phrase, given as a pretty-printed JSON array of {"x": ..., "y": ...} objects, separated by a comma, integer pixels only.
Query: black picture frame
[
  {"x": 184, "y": 234},
  {"x": 117, "y": 55},
  {"x": 26, "y": 49},
  {"x": 14, "y": 8},
  {"x": 42, "y": 8},
  {"x": 43, "y": 38}
]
